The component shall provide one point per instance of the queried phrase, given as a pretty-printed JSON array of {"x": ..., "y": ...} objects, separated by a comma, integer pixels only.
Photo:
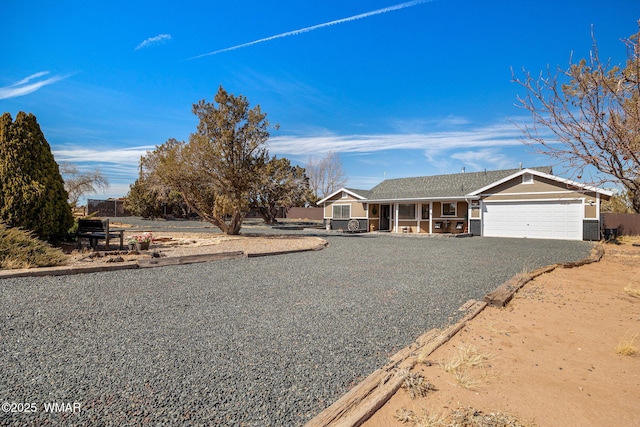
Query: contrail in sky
[
  {"x": 23, "y": 87},
  {"x": 317, "y": 27}
]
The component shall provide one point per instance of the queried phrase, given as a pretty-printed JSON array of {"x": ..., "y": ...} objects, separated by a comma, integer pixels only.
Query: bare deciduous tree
[
  {"x": 325, "y": 175},
  {"x": 589, "y": 115},
  {"x": 79, "y": 183}
]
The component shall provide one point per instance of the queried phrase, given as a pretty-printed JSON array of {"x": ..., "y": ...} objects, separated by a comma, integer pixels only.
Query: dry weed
[
  {"x": 407, "y": 416},
  {"x": 632, "y": 291},
  {"x": 462, "y": 365},
  {"x": 627, "y": 346},
  {"x": 466, "y": 379},
  {"x": 467, "y": 355},
  {"x": 469, "y": 417},
  {"x": 417, "y": 385}
]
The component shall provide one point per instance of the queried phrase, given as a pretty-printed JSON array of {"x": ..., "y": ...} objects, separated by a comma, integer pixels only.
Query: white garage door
[{"x": 537, "y": 220}]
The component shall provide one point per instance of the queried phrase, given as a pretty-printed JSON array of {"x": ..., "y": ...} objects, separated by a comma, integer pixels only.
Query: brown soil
[
  {"x": 549, "y": 358},
  {"x": 182, "y": 244}
]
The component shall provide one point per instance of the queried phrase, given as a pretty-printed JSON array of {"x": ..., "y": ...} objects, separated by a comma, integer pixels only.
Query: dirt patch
[
  {"x": 549, "y": 358},
  {"x": 171, "y": 244}
]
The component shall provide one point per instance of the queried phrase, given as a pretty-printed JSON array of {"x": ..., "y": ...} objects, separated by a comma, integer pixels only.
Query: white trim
[
  {"x": 542, "y": 175},
  {"x": 430, "y": 217},
  {"x": 423, "y": 199},
  {"x": 395, "y": 218},
  {"x": 528, "y": 193},
  {"x": 558, "y": 199},
  {"x": 357, "y": 196}
]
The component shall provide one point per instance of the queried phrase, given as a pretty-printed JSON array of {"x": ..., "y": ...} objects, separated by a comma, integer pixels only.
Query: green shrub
[
  {"x": 32, "y": 194},
  {"x": 21, "y": 249}
]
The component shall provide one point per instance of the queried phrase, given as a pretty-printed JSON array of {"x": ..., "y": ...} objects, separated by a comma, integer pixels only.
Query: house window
[
  {"x": 344, "y": 195},
  {"x": 406, "y": 211},
  {"x": 527, "y": 178},
  {"x": 449, "y": 209},
  {"x": 341, "y": 211},
  {"x": 425, "y": 211}
]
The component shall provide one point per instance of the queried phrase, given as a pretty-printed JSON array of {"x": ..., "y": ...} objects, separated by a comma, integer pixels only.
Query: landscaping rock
[{"x": 267, "y": 341}]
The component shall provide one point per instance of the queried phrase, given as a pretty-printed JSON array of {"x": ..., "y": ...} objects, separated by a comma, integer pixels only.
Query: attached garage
[
  {"x": 536, "y": 220},
  {"x": 522, "y": 203}
]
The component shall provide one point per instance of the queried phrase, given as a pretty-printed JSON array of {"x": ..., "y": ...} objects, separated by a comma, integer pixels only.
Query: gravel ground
[{"x": 255, "y": 342}]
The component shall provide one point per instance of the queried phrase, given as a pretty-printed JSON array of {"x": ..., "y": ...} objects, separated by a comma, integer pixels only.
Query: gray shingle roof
[
  {"x": 452, "y": 185},
  {"x": 363, "y": 193}
]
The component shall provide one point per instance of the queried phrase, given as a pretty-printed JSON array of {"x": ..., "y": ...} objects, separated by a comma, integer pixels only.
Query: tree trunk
[{"x": 268, "y": 215}]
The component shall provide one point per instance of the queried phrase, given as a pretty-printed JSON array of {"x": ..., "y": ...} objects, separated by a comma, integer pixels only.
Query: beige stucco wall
[
  {"x": 541, "y": 189},
  {"x": 461, "y": 210},
  {"x": 357, "y": 208},
  {"x": 475, "y": 212}
]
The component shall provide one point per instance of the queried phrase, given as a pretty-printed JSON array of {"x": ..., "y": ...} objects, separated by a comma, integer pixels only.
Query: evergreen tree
[
  {"x": 219, "y": 168},
  {"x": 32, "y": 194},
  {"x": 281, "y": 186}
]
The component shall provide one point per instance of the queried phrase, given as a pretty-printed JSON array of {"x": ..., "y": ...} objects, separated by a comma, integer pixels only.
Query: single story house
[{"x": 529, "y": 202}]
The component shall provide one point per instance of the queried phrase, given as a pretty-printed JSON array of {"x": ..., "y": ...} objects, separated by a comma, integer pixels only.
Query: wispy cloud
[
  {"x": 24, "y": 87},
  {"x": 477, "y": 159},
  {"x": 497, "y": 135},
  {"x": 160, "y": 38},
  {"x": 420, "y": 125},
  {"x": 318, "y": 26},
  {"x": 127, "y": 157}
]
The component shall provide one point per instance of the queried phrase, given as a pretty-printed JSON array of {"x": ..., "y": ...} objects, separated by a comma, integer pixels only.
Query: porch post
[
  {"x": 430, "y": 217},
  {"x": 395, "y": 217}
]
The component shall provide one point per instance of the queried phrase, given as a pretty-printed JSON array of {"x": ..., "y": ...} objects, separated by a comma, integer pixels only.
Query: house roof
[
  {"x": 358, "y": 194},
  {"x": 440, "y": 186},
  {"x": 541, "y": 173},
  {"x": 451, "y": 186}
]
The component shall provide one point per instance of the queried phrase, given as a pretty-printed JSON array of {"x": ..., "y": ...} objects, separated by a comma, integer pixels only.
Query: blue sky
[{"x": 396, "y": 88}]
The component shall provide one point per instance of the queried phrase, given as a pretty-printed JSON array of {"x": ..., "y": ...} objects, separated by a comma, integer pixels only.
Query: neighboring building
[{"x": 529, "y": 202}]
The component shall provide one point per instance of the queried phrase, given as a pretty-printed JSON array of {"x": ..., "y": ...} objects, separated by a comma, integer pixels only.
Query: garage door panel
[{"x": 543, "y": 220}]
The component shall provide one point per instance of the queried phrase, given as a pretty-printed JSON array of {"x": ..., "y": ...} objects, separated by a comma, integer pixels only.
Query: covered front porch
[{"x": 424, "y": 216}]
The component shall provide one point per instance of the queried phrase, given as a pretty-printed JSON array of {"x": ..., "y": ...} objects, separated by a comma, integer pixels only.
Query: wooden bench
[{"x": 98, "y": 229}]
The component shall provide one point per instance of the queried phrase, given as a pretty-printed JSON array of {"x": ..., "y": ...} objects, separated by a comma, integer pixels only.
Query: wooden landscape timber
[{"x": 363, "y": 400}]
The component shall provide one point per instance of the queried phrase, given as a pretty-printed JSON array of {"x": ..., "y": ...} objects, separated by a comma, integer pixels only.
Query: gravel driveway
[{"x": 257, "y": 342}]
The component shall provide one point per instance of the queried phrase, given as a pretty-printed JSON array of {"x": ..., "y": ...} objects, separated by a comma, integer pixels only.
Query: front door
[{"x": 385, "y": 216}]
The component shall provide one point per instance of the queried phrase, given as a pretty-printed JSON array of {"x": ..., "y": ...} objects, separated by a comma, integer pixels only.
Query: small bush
[
  {"x": 417, "y": 385},
  {"x": 21, "y": 249},
  {"x": 407, "y": 416},
  {"x": 469, "y": 417},
  {"x": 627, "y": 346}
]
